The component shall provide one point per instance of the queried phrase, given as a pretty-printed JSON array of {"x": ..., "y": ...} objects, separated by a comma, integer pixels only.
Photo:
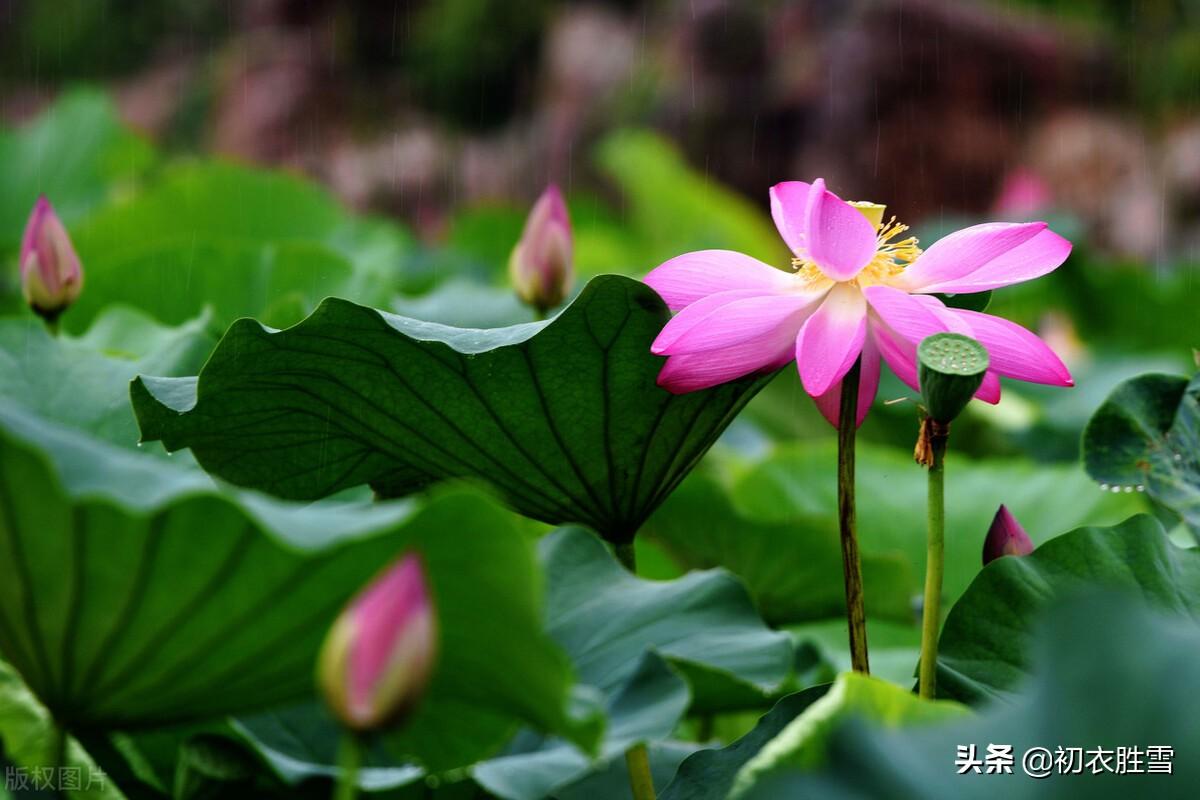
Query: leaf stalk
[
  {"x": 350, "y": 758},
  {"x": 856, "y": 615},
  {"x": 932, "y": 444},
  {"x": 637, "y": 758}
]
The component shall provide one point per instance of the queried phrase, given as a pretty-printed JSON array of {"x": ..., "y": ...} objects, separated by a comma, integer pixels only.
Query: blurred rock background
[{"x": 419, "y": 107}]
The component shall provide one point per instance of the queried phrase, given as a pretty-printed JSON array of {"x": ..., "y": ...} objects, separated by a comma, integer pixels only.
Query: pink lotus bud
[
  {"x": 540, "y": 266},
  {"x": 51, "y": 275},
  {"x": 378, "y": 656},
  {"x": 1006, "y": 537}
]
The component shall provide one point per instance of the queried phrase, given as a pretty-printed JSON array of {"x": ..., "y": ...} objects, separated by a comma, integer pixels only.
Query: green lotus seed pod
[{"x": 951, "y": 368}]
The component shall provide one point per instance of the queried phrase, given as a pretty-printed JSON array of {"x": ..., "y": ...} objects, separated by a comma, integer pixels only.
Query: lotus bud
[
  {"x": 1006, "y": 537},
  {"x": 540, "y": 266},
  {"x": 378, "y": 656},
  {"x": 951, "y": 370},
  {"x": 51, "y": 275}
]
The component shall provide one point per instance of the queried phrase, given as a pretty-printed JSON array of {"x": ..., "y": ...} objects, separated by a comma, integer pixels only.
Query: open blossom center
[
  {"x": 861, "y": 291},
  {"x": 891, "y": 257}
]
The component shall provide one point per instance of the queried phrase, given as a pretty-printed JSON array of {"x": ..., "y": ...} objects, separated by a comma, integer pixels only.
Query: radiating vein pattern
[
  {"x": 135, "y": 592},
  {"x": 563, "y": 417},
  {"x": 116, "y": 616}
]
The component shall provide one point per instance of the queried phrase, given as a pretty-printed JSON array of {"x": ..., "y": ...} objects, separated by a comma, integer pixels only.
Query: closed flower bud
[
  {"x": 378, "y": 656},
  {"x": 51, "y": 275},
  {"x": 540, "y": 266},
  {"x": 1006, "y": 537}
]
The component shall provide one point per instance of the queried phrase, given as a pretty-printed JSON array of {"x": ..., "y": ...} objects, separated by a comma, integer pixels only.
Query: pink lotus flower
[
  {"x": 1005, "y": 537},
  {"x": 855, "y": 290},
  {"x": 540, "y": 265},
  {"x": 51, "y": 275},
  {"x": 378, "y": 656}
]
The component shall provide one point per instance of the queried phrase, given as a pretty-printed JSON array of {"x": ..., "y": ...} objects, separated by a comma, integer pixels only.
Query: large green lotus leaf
[
  {"x": 135, "y": 593},
  {"x": 1147, "y": 435},
  {"x": 28, "y": 741},
  {"x": 709, "y": 774},
  {"x": 805, "y": 741},
  {"x": 606, "y": 619},
  {"x": 450, "y": 731},
  {"x": 987, "y": 643},
  {"x": 77, "y": 153},
  {"x": 82, "y": 382},
  {"x": 792, "y": 568},
  {"x": 563, "y": 417},
  {"x": 633, "y": 642},
  {"x": 301, "y": 743},
  {"x": 645, "y": 708},
  {"x": 797, "y": 485},
  {"x": 146, "y": 763},
  {"x": 1107, "y": 673},
  {"x": 243, "y": 242}
]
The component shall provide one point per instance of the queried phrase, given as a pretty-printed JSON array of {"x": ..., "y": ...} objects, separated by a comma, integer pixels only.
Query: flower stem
[
  {"x": 856, "y": 614},
  {"x": 350, "y": 758},
  {"x": 935, "y": 554},
  {"x": 637, "y": 758}
]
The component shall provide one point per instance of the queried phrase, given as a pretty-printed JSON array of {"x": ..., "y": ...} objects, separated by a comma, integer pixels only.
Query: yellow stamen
[{"x": 891, "y": 257}]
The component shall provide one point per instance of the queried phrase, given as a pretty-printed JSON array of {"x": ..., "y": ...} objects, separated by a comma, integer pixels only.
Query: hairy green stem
[
  {"x": 935, "y": 556},
  {"x": 856, "y": 615},
  {"x": 637, "y": 758},
  {"x": 350, "y": 758}
]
